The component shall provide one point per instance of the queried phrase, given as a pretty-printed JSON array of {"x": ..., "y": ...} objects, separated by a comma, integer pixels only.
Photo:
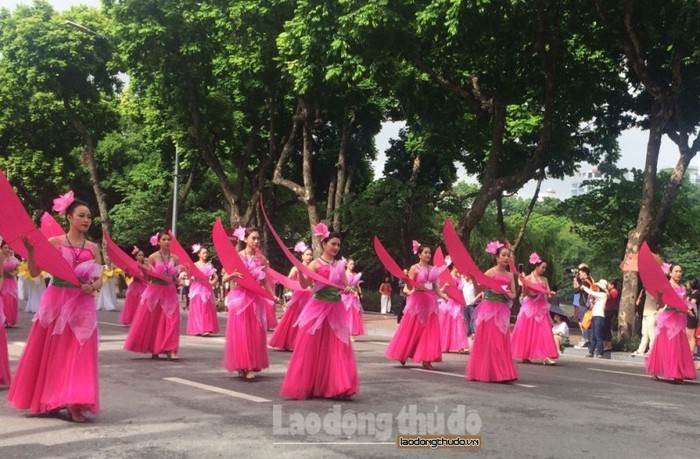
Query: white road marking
[
  {"x": 527, "y": 386},
  {"x": 381, "y": 343},
  {"x": 113, "y": 324},
  {"x": 218, "y": 390},
  {"x": 393, "y": 443},
  {"x": 686, "y": 381}
]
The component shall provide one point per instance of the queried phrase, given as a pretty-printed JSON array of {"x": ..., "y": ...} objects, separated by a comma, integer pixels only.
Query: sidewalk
[{"x": 384, "y": 325}]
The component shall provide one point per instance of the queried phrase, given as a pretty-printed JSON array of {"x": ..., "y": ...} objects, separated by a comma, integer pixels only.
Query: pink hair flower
[
  {"x": 239, "y": 233},
  {"x": 135, "y": 250},
  {"x": 61, "y": 203},
  {"x": 196, "y": 248},
  {"x": 300, "y": 247},
  {"x": 666, "y": 268},
  {"x": 154, "y": 240},
  {"x": 493, "y": 246},
  {"x": 321, "y": 230},
  {"x": 415, "y": 244},
  {"x": 535, "y": 258}
]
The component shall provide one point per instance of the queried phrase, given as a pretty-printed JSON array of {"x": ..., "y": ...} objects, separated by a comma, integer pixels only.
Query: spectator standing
[{"x": 385, "y": 292}]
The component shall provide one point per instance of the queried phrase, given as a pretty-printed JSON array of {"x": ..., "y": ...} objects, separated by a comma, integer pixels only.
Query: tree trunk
[
  {"x": 206, "y": 150},
  {"x": 88, "y": 158},
  {"x": 499, "y": 218},
  {"x": 630, "y": 280},
  {"x": 407, "y": 213},
  {"x": 305, "y": 193},
  {"x": 526, "y": 219},
  {"x": 346, "y": 131}
]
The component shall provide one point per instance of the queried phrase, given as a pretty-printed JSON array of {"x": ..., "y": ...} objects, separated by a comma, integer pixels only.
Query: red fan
[
  {"x": 655, "y": 281},
  {"x": 294, "y": 260},
  {"x": 185, "y": 259},
  {"x": 446, "y": 279},
  {"x": 533, "y": 287},
  {"x": 15, "y": 223},
  {"x": 464, "y": 262},
  {"x": 281, "y": 279},
  {"x": 389, "y": 262},
  {"x": 50, "y": 227},
  {"x": 232, "y": 261},
  {"x": 122, "y": 260}
]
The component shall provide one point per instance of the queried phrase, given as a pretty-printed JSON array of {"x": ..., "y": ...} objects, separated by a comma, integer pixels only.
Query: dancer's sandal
[{"x": 74, "y": 415}]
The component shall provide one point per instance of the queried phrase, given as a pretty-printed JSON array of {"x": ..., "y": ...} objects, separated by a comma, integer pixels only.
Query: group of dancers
[{"x": 58, "y": 368}]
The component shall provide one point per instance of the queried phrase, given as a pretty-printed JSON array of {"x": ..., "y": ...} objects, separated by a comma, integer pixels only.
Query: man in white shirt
[{"x": 600, "y": 297}]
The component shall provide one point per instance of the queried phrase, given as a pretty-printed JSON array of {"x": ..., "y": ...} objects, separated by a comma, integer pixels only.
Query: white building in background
[
  {"x": 693, "y": 175},
  {"x": 577, "y": 185},
  {"x": 548, "y": 193}
]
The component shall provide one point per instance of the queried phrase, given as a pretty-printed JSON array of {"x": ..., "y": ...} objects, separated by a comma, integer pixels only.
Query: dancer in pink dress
[
  {"x": 286, "y": 332},
  {"x": 8, "y": 291},
  {"x": 201, "y": 318},
  {"x": 670, "y": 356},
  {"x": 5, "y": 377},
  {"x": 532, "y": 336},
  {"x": 491, "y": 358},
  {"x": 323, "y": 364},
  {"x": 245, "y": 350},
  {"x": 351, "y": 300},
  {"x": 418, "y": 335},
  {"x": 453, "y": 328},
  {"x": 58, "y": 367},
  {"x": 155, "y": 329},
  {"x": 134, "y": 291}
]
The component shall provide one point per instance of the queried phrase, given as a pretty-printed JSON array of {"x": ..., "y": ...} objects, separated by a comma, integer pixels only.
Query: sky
[
  {"x": 632, "y": 155},
  {"x": 632, "y": 142}
]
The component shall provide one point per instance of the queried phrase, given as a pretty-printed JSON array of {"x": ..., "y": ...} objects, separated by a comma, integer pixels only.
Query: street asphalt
[{"x": 193, "y": 408}]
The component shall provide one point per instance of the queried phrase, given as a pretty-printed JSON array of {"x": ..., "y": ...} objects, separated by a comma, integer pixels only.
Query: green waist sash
[
  {"x": 155, "y": 280},
  {"x": 56, "y": 282},
  {"x": 493, "y": 296},
  {"x": 7, "y": 276},
  {"x": 327, "y": 294}
]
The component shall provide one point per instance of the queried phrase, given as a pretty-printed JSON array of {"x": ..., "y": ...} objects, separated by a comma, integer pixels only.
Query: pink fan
[
  {"x": 446, "y": 279},
  {"x": 464, "y": 262},
  {"x": 389, "y": 263},
  {"x": 294, "y": 260},
  {"x": 655, "y": 282},
  {"x": 50, "y": 227},
  {"x": 15, "y": 223},
  {"x": 232, "y": 261},
  {"x": 185, "y": 260},
  {"x": 121, "y": 259},
  {"x": 529, "y": 285}
]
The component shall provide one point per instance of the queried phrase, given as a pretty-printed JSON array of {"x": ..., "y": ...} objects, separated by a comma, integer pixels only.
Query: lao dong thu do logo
[{"x": 380, "y": 426}]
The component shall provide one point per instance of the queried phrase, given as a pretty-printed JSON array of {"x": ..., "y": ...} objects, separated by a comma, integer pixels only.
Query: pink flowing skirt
[
  {"x": 246, "y": 338},
  {"x": 131, "y": 302},
  {"x": 5, "y": 376},
  {"x": 202, "y": 317},
  {"x": 271, "y": 315},
  {"x": 532, "y": 336},
  {"x": 453, "y": 330},
  {"x": 286, "y": 332},
  {"x": 418, "y": 335},
  {"x": 322, "y": 364},
  {"x": 8, "y": 291},
  {"x": 55, "y": 371},
  {"x": 491, "y": 359},
  {"x": 354, "y": 310},
  {"x": 156, "y": 325},
  {"x": 670, "y": 356}
]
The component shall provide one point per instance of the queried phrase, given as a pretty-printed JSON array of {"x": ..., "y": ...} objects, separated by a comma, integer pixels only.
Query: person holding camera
[{"x": 581, "y": 276}]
